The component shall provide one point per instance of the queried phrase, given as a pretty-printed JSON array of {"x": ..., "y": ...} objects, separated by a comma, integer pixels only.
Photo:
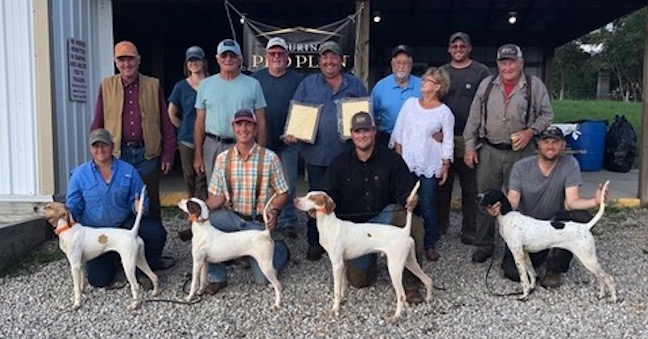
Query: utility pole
[
  {"x": 643, "y": 156},
  {"x": 361, "y": 54}
]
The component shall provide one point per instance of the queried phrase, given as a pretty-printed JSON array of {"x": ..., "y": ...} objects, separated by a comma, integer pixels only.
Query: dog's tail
[
  {"x": 266, "y": 208},
  {"x": 140, "y": 211},
  {"x": 408, "y": 221},
  {"x": 601, "y": 209}
]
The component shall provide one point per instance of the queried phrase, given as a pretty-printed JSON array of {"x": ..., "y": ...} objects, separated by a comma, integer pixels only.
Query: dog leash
[
  {"x": 488, "y": 288},
  {"x": 180, "y": 302}
]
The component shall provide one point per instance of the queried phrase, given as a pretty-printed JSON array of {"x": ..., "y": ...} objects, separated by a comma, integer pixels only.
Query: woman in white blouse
[{"x": 419, "y": 119}]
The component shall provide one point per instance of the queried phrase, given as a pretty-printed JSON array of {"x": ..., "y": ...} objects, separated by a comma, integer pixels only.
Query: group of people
[{"x": 455, "y": 120}]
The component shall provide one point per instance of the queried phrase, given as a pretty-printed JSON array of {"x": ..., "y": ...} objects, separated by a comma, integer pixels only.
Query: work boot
[
  {"x": 361, "y": 278},
  {"x": 551, "y": 280},
  {"x": 481, "y": 255},
  {"x": 412, "y": 295},
  {"x": 214, "y": 287},
  {"x": 315, "y": 252}
]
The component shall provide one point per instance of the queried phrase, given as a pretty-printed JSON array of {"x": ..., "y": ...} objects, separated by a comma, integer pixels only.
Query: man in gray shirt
[{"x": 547, "y": 186}]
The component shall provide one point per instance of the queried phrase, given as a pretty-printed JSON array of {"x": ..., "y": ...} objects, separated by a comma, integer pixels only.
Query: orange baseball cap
[{"x": 125, "y": 48}]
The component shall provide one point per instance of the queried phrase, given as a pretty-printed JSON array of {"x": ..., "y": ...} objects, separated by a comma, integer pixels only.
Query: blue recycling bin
[{"x": 589, "y": 147}]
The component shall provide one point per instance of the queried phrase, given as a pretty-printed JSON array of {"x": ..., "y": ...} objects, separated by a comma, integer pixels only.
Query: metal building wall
[
  {"x": 18, "y": 161},
  {"x": 43, "y": 134},
  {"x": 91, "y": 22}
]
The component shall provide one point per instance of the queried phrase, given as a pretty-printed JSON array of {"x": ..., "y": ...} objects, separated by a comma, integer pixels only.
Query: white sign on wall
[{"x": 77, "y": 70}]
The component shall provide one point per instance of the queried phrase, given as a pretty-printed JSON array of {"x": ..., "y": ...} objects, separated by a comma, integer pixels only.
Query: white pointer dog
[
  {"x": 211, "y": 245},
  {"x": 81, "y": 243},
  {"x": 345, "y": 240},
  {"x": 524, "y": 234}
]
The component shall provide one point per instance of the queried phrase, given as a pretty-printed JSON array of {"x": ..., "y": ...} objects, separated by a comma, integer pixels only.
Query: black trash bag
[{"x": 621, "y": 145}]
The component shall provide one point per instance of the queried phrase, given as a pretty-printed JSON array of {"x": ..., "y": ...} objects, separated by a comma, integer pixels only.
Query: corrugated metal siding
[
  {"x": 77, "y": 19},
  {"x": 18, "y": 161},
  {"x": 89, "y": 21}
]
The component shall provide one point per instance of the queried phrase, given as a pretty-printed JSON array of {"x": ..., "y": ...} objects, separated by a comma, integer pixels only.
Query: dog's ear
[
  {"x": 194, "y": 208},
  {"x": 329, "y": 205}
]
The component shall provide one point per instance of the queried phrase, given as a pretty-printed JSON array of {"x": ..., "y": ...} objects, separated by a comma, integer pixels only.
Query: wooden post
[
  {"x": 643, "y": 157},
  {"x": 361, "y": 54}
]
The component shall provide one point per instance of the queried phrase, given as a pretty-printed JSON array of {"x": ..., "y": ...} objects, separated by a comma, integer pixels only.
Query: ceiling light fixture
[
  {"x": 376, "y": 17},
  {"x": 242, "y": 20},
  {"x": 512, "y": 19}
]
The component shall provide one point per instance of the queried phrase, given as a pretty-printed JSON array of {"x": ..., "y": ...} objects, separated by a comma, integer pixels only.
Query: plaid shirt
[{"x": 244, "y": 179}]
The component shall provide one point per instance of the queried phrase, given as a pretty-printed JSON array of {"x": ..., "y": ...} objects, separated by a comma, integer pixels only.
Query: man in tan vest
[{"x": 132, "y": 107}]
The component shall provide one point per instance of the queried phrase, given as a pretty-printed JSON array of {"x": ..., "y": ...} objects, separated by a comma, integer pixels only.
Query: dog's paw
[
  {"x": 524, "y": 297},
  {"x": 393, "y": 319},
  {"x": 76, "y": 306},
  {"x": 134, "y": 305},
  {"x": 188, "y": 298}
]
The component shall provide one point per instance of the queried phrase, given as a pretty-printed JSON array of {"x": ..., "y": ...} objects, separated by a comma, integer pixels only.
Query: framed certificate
[
  {"x": 302, "y": 121},
  {"x": 346, "y": 109}
]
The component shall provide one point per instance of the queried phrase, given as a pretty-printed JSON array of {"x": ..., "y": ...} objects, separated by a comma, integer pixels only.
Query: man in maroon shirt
[{"x": 132, "y": 107}]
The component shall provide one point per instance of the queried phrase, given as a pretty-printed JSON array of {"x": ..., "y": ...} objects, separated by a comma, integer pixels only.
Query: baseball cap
[
  {"x": 509, "y": 51},
  {"x": 362, "y": 120},
  {"x": 125, "y": 48},
  {"x": 330, "y": 46},
  {"x": 460, "y": 35},
  {"x": 194, "y": 52},
  {"x": 244, "y": 114},
  {"x": 552, "y": 132},
  {"x": 228, "y": 45},
  {"x": 277, "y": 42},
  {"x": 101, "y": 135},
  {"x": 401, "y": 49}
]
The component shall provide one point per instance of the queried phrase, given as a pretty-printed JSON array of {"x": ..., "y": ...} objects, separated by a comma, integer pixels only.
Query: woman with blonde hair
[{"x": 419, "y": 119}]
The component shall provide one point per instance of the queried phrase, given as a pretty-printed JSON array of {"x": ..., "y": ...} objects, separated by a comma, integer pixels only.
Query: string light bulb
[
  {"x": 376, "y": 17},
  {"x": 512, "y": 19}
]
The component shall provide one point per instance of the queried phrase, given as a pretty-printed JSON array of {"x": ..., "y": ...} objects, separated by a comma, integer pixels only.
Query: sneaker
[
  {"x": 214, "y": 287},
  {"x": 315, "y": 252},
  {"x": 413, "y": 296},
  {"x": 432, "y": 255},
  {"x": 481, "y": 255},
  {"x": 551, "y": 280},
  {"x": 289, "y": 232}
]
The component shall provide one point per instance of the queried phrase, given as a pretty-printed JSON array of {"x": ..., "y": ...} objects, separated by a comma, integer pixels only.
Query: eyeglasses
[
  {"x": 430, "y": 80},
  {"x": 227, "y": 55},
  {"x": 276, "y": 54},
  {"x": 458, "y": 46}
]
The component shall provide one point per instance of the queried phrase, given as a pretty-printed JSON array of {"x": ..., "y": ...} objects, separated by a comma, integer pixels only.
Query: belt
[
  {"x": 133, "y": 144},
  {"x": 249, "y": 217},
  {"x": 502, "y": 146},
  {"x": 221, "y": 139}
]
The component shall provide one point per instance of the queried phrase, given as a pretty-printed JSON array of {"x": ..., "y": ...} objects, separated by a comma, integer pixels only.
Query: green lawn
[{"x": 574, "y": 110}]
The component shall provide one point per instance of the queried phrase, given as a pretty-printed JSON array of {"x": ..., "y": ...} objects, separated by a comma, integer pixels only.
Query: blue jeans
[
  {"x": 227, "y": 221},
  {"x": 101, "y": 270},
  {"x": 150, "y": 172},
  {"x": 289, "y": 157},
  {"x": 385, "y": 217},
  {"x": 427, "y": 207},
  {"x": 316, "y": 180}
]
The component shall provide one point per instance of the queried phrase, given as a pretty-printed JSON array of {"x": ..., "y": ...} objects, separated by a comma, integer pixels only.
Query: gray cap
[
  {"x": 460, "y": 35},
  {"x": 228, "y": 45},
  {"x": 509, "y": 51},
  {"x": 330, "y": 46},
  {"x": 194, "y": 52},
  {"x": 552, "y": 132},
  {"x": 100, "y": 135},
  {"x": 277, "y": 42}
]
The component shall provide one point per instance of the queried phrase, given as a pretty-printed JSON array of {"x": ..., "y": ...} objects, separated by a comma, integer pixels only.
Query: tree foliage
[{"x": 619, "y": 51}]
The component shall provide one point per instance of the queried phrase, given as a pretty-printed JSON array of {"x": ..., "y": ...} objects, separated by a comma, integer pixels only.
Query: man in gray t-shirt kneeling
[{"x": 547, "y": 186}]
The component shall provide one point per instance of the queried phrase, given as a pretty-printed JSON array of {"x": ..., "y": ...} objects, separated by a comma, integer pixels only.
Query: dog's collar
[
  {"x": 193, "y": 218},
  {"x": 60, "y": 229}
]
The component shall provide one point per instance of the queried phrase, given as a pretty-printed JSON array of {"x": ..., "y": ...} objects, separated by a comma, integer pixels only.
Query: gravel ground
[{"x": 38, "y": 304}]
